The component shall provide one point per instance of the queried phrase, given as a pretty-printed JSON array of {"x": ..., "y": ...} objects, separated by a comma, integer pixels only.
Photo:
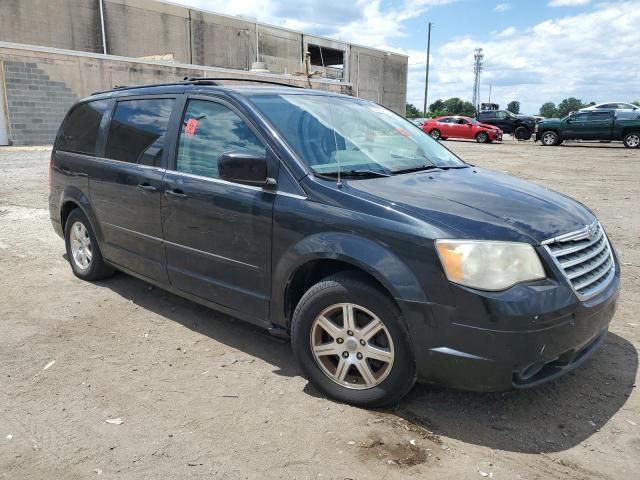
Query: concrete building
[{"x": 53, "y": 52}]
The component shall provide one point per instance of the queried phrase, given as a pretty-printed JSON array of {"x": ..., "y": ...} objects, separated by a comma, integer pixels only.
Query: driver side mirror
[{"x": 245, "y": 168}]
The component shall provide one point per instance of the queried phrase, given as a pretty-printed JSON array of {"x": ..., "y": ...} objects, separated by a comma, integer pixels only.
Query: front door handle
[
  {"x": 176, "y": 192},
  {"x": 145, "y": 187}
]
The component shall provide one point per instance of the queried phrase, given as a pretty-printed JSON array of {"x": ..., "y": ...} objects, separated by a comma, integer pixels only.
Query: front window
[{"x": 355, "y": 137}]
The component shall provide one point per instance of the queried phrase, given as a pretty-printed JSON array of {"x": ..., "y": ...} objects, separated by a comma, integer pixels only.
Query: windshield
[{"x": 351, "y": 135}]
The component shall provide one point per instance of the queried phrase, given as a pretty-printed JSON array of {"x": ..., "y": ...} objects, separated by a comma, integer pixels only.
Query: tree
[
  {"x": 568, "y": 105},
  {"x": 637, "y": 103},
  {"x": 548, "y": 110},
  {"x": 437, "y": 106},
  {"x": 412, "y": 111},
  {"x": 514, "y": 106}
]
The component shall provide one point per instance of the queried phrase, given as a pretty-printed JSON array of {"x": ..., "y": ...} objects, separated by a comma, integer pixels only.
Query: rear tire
[
  {"x": 549, "y": 139},
  {"x": 632, "y": 140},
  {"x": 522, "y": 133},
  {"x": 83, "y": 251},
  {"x": 482, "y": 137},
  {"x": 341, "y": 364},
  {"x": 435, "y": 134}
]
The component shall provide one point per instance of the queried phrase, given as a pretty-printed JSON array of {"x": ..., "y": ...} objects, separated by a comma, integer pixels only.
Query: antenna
[
  {"x": 478, "y": 60},
  {"x": 333, "y": 127}
]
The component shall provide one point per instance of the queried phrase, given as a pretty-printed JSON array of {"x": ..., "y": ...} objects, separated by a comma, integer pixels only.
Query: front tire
[
  {"x": 549, "y": 139},
  {"x": 482, "y": 137},
  {"x": 83, "y": 251},
  {"x": 522, "y": 133},
  {"x": 632, "y": 140},
  {"x": 350, "y": 341},
  {"x": 435, "y": 134}
]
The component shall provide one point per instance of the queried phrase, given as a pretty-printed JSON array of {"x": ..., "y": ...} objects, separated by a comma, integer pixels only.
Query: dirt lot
[{"x": 203, "y": 396}]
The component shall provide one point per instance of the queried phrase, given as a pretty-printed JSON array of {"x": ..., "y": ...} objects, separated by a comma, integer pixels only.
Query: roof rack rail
[
  {"x": 195, "y": 81},
  {"x": 214, "y": 80}
]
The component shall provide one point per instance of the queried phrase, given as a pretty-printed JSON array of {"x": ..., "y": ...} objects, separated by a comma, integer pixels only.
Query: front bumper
[
  {"x": 519, "y": 338},
  {"x": 495, "y": 135}
]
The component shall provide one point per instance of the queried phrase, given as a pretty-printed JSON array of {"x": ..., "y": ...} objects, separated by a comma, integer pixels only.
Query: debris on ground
[
  {"x": 114, "y": 421},
  {"x": 50, "y": 364}
]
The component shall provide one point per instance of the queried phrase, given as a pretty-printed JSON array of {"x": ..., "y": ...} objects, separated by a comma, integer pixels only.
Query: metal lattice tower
[{"x": 478, "y": 60}]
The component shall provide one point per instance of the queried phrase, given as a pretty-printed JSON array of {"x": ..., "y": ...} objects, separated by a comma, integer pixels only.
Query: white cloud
[
  {"x": 583, "y": 55},
  {"x": 502, "y": 7},
  {"x": 568, "y": 3},
  {"x": 507, "y": 32},
  {"x": 367, "y": 22}
]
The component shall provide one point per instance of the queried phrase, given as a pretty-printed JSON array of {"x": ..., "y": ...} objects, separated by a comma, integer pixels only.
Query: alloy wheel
[
  {"x": 80, "y": 246},
  {"x": 352, "y": 346},
  {"x": 633, "y": 140},
  {"x": 549, "y": 139}
]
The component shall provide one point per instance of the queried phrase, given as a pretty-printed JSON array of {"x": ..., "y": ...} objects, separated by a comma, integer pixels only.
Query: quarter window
[
  {"x": 137, "y": 131},
  {"x": 80, "y": 130},
  {"x": 210, "y": 129}
]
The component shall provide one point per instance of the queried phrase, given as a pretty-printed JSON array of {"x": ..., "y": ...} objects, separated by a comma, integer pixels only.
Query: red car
[{"x": 441, "y": 128}]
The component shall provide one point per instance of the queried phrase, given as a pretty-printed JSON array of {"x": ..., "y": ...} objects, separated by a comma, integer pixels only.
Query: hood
[
  {"x": 486, "y": 125},
  {"x": 549, "y": 122},
  {"x": 478, "y": 204},
  {"x": 526, "y": 118}
]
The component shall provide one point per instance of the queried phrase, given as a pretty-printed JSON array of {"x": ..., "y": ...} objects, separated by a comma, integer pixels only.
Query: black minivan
[{"x": 335, "y": 222}]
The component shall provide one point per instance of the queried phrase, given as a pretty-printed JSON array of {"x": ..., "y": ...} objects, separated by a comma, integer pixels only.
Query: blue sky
[{"x": 535, "y": 50}]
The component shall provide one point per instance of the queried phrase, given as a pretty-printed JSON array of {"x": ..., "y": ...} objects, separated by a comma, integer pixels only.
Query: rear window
[
  {"x": 137, "y": 130},
  {"x": 79, "y": 131}
]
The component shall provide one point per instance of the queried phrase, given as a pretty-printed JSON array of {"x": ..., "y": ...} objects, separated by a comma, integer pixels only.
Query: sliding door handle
[
  {"x": 176, "y": 192},
  {"x": 145, "y": 187}
]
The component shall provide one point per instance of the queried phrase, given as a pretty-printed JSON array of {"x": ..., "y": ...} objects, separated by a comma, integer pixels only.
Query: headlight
[{"x": 488, "y": 265}]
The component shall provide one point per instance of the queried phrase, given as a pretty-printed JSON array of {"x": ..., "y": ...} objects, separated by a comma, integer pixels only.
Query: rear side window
[
  {"x": 79, "y": 131},
  {"x": 138, "y": 129},
  {"x": 210, "y": 129},
  {"x": 486, "y": 115}
]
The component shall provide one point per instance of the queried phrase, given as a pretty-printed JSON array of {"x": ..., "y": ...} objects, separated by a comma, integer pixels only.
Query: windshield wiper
[
  {"x": 415, "y": 169},
  {"x": 426, "y": 167},
  {"x": 356, "y": 173}
]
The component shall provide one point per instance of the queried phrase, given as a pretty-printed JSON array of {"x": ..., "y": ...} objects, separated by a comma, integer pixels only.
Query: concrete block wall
[
  {"x": 41, "y": 84},
  {"x": 36, "y": 103}
]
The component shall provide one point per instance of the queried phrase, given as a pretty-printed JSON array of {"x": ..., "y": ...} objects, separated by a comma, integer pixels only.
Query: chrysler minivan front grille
[{"x": 585, "y": 257}]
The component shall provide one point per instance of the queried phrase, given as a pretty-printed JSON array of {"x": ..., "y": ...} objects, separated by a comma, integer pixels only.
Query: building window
[{"x": 330, "y": 58}]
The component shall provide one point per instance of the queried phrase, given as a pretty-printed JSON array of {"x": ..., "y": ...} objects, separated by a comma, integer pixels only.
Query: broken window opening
[{"x": 331, "y": 58}]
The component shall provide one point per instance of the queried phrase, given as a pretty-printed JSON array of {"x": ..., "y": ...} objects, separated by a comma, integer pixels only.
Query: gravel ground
[{"x": 203, "y": 396}]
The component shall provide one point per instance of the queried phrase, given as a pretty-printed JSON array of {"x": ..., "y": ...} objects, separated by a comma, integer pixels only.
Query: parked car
[
  {"x": 520, "y": 126},
  {"x": 418, "y": 121},
  {"x": 600, "y": 125},
  {"x": 335, "y": 222},
  {"x": 611, "y": 106},
  {"x": 441, "y": 128}
]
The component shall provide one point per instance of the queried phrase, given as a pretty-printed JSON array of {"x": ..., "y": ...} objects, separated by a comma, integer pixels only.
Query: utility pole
[{"x": 426, "y": 76}]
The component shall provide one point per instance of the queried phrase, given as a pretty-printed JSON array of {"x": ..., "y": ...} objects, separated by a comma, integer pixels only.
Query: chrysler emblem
[{"x": 592, "y": 230}]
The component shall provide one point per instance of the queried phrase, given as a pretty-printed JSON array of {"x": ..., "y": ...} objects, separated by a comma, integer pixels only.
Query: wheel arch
[
  {"x": 321, "y": 255},
  {"x": 73, "y": 198}
]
